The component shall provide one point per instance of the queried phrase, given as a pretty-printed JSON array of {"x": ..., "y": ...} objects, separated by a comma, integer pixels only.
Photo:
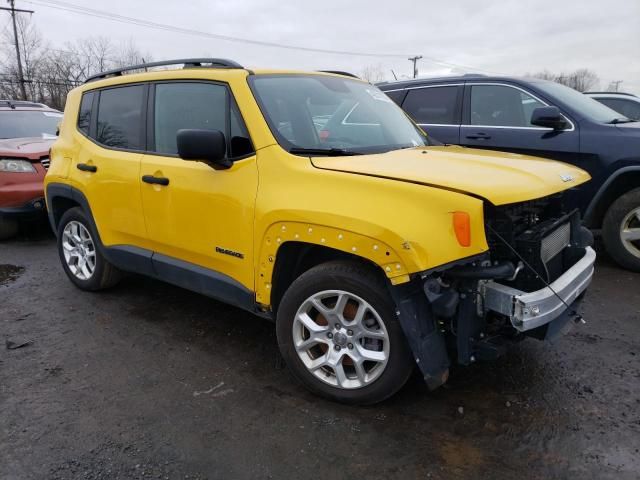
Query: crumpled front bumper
[{"x": 529, "y": 310}]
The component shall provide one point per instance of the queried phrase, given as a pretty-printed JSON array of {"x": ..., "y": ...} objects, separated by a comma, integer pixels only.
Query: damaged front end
[{"x": 529, "y": 283}]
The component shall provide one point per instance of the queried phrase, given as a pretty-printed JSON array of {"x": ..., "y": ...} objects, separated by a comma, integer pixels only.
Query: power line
[
  {"x": 70, "y": 7},
  {"x": 161, "y": 26}
]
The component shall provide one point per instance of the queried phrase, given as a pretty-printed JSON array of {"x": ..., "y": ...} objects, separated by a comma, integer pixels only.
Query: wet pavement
[{"x": 151, "y": 381}]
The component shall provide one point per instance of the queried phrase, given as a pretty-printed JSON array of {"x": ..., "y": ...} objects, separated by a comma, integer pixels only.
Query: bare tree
[
  {"x": 50, "y": 72},
  {"x": 373, "y": 73},
  {"x": 582, "y": 79}
]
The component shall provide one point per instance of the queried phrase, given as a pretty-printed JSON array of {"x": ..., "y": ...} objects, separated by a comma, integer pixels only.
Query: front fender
[{"x": 380, "y": 253}]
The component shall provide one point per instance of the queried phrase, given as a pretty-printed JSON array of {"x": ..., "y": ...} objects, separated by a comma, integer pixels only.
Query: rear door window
[
  {"x": 433, "y": 105},
  {"x": 120, "y": 118}
]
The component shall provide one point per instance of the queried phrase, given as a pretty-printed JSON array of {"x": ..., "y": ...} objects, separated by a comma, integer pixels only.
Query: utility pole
[
  {"x": 13, "y": 11},
  {"x": 415, "y": 66},
  {"x": 614, "y": 86}
]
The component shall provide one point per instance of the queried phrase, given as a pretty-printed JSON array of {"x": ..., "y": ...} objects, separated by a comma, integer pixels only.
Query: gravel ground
[{"x": 152, "y": 381}]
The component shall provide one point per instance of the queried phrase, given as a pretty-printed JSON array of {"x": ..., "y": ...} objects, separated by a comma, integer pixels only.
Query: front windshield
[
  {"x": 584, "y": 105},
  {"x": 28, "y": 123},
  {"x": 326, "y": 113}
]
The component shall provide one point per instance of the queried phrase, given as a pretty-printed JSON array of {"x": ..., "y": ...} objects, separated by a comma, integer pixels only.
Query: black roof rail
[
  {"x": 611, "y": 93},
  {"x": 186, "y": 62},
  {"x": 339, "y": 72},
  {"x": 21, "y": 103}
]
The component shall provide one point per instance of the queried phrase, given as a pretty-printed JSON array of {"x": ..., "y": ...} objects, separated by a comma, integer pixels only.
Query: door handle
[
  {"x": 87, "y": 168},
  {"x": 155, "y": 180},
  {"x": 479, "y": 136}
]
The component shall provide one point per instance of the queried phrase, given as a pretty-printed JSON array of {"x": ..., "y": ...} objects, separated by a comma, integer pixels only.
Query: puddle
[{"x": 9, "y": 273}]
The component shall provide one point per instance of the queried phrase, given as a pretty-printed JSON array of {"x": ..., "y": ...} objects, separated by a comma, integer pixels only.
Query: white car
[{"x": 625, "y": 103}]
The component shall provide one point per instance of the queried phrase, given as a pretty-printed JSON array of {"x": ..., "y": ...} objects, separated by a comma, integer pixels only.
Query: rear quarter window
[{"x": 84, "y": 115}]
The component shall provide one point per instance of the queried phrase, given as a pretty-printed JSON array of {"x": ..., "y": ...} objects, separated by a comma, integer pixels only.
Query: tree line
[{"x": 49, "y": 73}]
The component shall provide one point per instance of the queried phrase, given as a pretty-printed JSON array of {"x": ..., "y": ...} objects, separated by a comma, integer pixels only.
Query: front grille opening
[{"x": 541, "y": 232}]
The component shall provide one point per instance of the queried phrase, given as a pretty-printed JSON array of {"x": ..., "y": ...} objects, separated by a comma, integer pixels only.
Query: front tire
[
  {"x": 80, "y": 254},
  {"x": 339, "y": 335},
  {"x": 621, "y": 230}
]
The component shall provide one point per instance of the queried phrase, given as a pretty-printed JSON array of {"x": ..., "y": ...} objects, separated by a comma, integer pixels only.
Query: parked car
[
  {"x": 625, "y": 104},
  {"x": 546, "y": 119},
  {"x": 372, "y": 249},
  {"x": 27, "y": 131}
]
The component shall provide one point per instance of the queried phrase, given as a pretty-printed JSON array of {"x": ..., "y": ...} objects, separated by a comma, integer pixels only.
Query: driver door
[
  {"x": 195, "y": 215},
  {"x": 498, "y": 117}
]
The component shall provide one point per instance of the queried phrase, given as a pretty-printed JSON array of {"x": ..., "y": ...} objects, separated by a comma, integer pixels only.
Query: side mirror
[
  {"x": 549, "y": 117},
  {"x": 203, "y": 145}
]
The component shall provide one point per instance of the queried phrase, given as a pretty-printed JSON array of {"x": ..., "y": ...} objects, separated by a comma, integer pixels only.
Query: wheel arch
[
  {"x": 290, "y": 248},
  {"x": 295, "y": 258},
  {"x": 619, "y": 182},
  {"x": 60, "y": 198}
]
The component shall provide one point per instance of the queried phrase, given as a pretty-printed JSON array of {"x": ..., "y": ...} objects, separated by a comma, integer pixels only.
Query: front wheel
[
  {"x": 621, "y": 230},
  {"x": 339, "y": 335}
]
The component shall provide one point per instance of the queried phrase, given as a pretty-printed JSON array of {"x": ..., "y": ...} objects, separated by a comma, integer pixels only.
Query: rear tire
[
  {"x": 8, "y": 228},
  {"x": 339, "y": 335},
  {"x": 621, "y": 230},
  {"x": 80, "y": 254}
]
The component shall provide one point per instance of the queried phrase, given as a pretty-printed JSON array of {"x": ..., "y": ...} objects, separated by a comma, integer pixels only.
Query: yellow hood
[{"x": 498, "y": 177}]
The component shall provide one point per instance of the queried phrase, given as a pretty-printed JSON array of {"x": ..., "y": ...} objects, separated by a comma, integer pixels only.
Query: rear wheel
[
  {"x": 8, "y": 228},
  {"x": 339, "y": 335},
  {"x": 80, "y": 254},
  {"x": 621, "y": 230}
]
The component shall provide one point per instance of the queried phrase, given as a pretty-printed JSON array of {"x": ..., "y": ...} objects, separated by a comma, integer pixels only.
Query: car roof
[
  {"x": 416, "y": 82},
  {"x": 142, "y": 71},
  {"x": 6, "y": 104},
  {"x": 611, "y": 94}
]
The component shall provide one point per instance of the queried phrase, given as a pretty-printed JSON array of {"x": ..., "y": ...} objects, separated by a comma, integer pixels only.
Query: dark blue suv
[{"x": 546, "y": 119}]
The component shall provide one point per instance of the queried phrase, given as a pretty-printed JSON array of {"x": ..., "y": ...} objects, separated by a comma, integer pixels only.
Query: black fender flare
[
  {"x": 593, "y": 204},
  {"x": 125, "y": 257}
]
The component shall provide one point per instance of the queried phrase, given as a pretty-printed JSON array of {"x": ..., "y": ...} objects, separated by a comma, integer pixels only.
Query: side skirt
[{"x": 183, "y": 274}]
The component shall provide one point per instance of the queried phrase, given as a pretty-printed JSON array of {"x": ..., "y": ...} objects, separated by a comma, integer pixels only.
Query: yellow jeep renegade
[{"x": 313, "y": 200}]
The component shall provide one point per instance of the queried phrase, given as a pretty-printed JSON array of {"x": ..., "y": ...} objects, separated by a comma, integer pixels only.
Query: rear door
[
  {"x": 437, "y": 109},
  {"x": 498, "y": 116},
  {"x": 111, "y": 131}
]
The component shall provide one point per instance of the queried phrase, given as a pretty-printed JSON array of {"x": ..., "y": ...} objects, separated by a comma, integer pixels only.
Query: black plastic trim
[
  {"x": 591, "y": 208},
  {"x": 203, "y": 280},
  {"x": 421, "y": 331}
]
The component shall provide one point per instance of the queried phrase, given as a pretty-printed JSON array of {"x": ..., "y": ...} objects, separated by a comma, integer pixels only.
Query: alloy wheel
[
  {"x": 79, "y": 250},
  {"x": 341, "y": 339},
  {"x": 630, "y": 232}
]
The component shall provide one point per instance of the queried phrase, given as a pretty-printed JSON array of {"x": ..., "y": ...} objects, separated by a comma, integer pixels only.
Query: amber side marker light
[{"x": 462, "y": 227}]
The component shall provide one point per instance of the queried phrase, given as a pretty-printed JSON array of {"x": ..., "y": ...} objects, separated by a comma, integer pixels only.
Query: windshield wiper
[
  {"x": 329, "y": 152},
  {"x": 615, "y": 121}
]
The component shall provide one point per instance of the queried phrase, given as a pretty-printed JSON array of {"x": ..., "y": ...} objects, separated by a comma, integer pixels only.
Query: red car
[{"x": 27, "y": 131}]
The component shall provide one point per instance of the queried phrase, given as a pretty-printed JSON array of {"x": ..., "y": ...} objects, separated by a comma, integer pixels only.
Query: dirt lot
[{"x": 151, "y": 381}]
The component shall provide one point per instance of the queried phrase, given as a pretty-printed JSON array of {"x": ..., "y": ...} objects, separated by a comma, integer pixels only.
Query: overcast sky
[{"x": 509, "y": 37}]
